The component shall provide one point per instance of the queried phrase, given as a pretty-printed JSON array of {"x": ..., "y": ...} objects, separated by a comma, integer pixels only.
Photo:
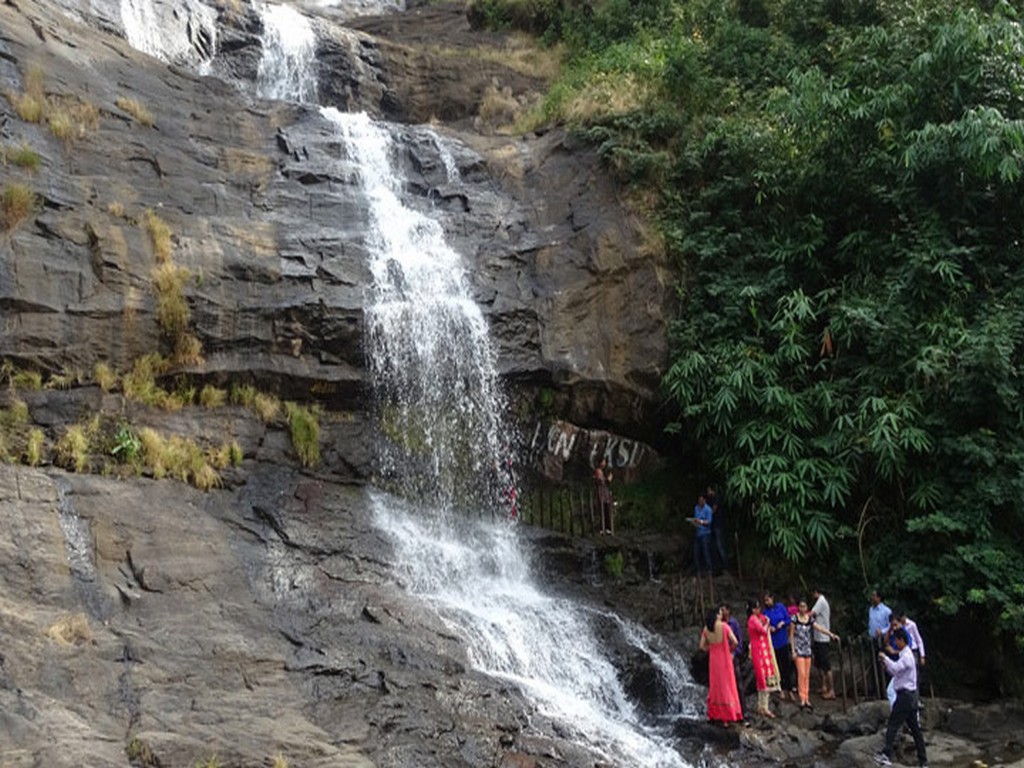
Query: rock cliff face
[{"x": 261, "y": 212}]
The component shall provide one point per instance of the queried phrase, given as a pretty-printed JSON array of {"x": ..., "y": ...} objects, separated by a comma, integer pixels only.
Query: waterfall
[
  {"x": 428, "y": 349},
  {"x": 444, "y": 432},
  {"x": 286, "y": 65},
  {"x": 445, "y": 445}
]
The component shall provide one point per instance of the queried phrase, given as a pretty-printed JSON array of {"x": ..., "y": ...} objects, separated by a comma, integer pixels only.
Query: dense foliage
[{"x": 840, "y": 182}]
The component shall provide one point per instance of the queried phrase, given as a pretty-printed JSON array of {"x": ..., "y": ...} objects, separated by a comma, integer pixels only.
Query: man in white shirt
[
  {"x": 822, "y": 615},
  {"x": 916, "y": 644}
]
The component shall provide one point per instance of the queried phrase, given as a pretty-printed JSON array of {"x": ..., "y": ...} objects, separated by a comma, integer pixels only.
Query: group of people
[
  {"x": 784, "y": 642},
  {"x": 900, "y": 651},
  {"x": 782, "y": 648}
]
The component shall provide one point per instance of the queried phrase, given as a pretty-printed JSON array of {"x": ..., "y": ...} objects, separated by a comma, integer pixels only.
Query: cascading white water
[
  {"x": 187, "y": 34},
  {"x": 286, "y": 65},
  {"x": 429, "y": 353},
  {"x": 433, "y": 368},
  {"x": 480, "y": 583}
]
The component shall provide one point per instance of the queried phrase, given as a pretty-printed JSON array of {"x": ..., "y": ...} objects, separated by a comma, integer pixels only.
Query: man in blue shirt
[
  {"x": 702, "y": 541},
  {"x": 878, "y": 625},
  {"x": 778, "y": 623}
]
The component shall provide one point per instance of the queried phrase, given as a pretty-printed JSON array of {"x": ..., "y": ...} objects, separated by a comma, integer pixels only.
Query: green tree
[{"x": 849, "y": 352}]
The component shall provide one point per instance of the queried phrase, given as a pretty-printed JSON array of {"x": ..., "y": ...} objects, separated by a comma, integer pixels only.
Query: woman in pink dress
[
  {"x": 723, "y": 699},
  {"x": 762, "y": 656}
]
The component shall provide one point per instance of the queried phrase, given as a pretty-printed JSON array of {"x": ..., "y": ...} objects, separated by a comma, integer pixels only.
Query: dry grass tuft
[
  {"x": 16, "y": 204},
  {"x": 498, "y": 107},
  {"x": 72, "y": 450},
  {"x": 71, "y": 630},
  {"x": 212, "y": 397},
  {"x": 136, "y": 109},
  {"x": 188, "y": 350},
  {"x": 179, "y": 458},
  {"x": 614, "y": 93},
  {"x": 172, "y": 312},
  {"x": 106, "y": 377},
  {"x": 267, "y": 407},
  {"x": 34, "y": 447},
  {"x": 159, "y": 236}
]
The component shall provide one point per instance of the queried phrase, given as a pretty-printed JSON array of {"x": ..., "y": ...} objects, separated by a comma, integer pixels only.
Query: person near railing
[
  {"x": 821, "y": 650},
  {"x": 905, "y": 707},
  {"x": 878, "y": 625}
]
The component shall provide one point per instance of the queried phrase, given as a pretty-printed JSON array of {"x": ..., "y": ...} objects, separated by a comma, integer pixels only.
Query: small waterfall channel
[{"x": 444, "y": 445}]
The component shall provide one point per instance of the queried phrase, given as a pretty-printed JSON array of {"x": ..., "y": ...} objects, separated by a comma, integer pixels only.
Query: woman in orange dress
[
  {"x": 762, "y": 656},
  {"x": 723, "y": 698}
]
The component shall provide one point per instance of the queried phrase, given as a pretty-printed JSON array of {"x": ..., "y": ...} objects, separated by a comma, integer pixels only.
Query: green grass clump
[
  {"x": 235, "y": 454},
  {"x": 305, "y": 432},
  {"x": 140, "y": 753},
  {"x": 23, "y": 157},
  {"x": 28, "y": 380},
  {"x": 16, "y": 204},
  {"x": 15, "y": 415},
  {"x": 139, "y": 383},
  {"x": 243, "y": 395}
]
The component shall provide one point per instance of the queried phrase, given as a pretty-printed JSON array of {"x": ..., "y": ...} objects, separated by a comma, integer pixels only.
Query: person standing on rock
[
  {"x": 878, "y": 625},
  {"x": 822, "y": 613},
  {"x": 718, "y": 532},
  {"x": 778, "y": 623},
  {"x": 801, "y": 641},
  {"x": 737, "y": 653},
  {"x": 905, "y": 708},
  {"x": 723, "y": 698},
  {"x": 602, "y": 483},
  {"x": 702, "y": 518},
  {"x": 762, "y": 657}
]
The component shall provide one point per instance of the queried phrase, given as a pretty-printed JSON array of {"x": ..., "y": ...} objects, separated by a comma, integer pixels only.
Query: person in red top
[{"x": 762, "y": 656}]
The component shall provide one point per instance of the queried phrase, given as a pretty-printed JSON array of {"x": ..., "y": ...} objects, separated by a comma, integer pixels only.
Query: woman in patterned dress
[{"x": 762, "y": 656}]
